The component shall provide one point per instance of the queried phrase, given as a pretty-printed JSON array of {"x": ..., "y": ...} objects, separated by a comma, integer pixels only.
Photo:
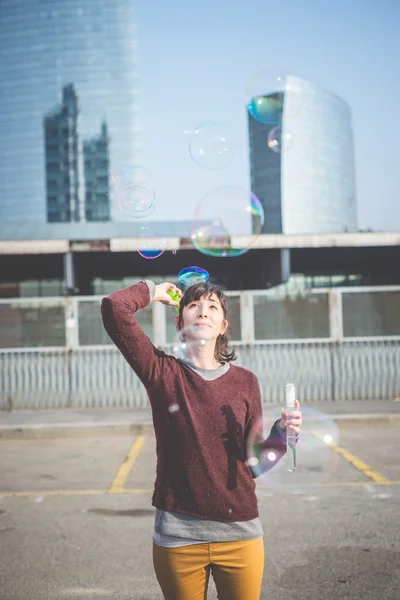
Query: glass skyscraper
[
  {"x": 68, "y": 108},
  {"x": 308, "y": 187}
]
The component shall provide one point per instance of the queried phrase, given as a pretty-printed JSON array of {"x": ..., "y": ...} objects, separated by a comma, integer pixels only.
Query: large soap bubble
[
  {"x": 227, "y": 221},
  {"x": 272, "y": 95},
  {"x": 316, "y": 462}
]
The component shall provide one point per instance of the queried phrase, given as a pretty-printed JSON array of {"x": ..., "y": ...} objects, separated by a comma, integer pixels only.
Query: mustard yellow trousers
[{"x": 237, "y": 569}]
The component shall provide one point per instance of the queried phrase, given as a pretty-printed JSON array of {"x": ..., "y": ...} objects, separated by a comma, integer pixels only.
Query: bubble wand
[
  {"x": 175, "y": 297},
  {"x": 290, "y": 434}
]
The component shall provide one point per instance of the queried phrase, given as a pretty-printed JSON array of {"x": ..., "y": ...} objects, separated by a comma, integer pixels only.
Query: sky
[{"x": 195, "y": 62}]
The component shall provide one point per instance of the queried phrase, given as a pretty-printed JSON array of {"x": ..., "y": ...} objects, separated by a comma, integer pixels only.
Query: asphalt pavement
[{"x": 76, "y": 515}]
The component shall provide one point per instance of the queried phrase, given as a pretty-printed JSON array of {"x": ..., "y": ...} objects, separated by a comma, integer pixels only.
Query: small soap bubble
[
  {"x": 316, "y": 463},
  {"x": 173, "y": 408},
  {"x": 150, "y": 245},
  {"x": 210, "y": 146},
  {"x": 134, "y": 191},
  {"x": 148, "y": 251},
  {"x": 188, "y": 341},
  {"x": 192, "y": 275},
  {"x": 279, "y": 141}
]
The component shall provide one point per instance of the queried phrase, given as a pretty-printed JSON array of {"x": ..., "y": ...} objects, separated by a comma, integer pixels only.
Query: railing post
[
  {"x": 72, "y": 343},
  {"x": 71, "y": 323},
  {"x": 335, "y": 315},
  {"x": 336, "y": 335},
  {"x": 247, "y": 317}
]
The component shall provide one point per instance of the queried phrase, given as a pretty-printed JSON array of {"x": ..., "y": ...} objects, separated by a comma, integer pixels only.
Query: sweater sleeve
[
  {"x": 118, "y": 314},
  {"x": 276, "y": 440}
]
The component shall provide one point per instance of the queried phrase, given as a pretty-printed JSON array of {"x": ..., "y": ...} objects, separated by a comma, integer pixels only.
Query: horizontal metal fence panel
[
  {"x": 32, "y": 324},
  {"x": 90, "y": 324},
  {"x": 34, "y": 380},
  {"x": 308, "y": 365},
  {"x": 280, "y": 338},
  {"x": 100, "y": 377},
  {"x": 291, "y": 317},
  {"x": 367, "y": 370},
  {"x": 371, "y": 313},
  {"x": 103, "y": 379}
]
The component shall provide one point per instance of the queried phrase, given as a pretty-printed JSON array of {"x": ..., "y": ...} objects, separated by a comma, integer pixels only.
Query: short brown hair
[{"x": 223, "y": 353}]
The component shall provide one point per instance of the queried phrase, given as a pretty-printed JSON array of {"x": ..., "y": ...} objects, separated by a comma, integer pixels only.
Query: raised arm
[{"x": 118, "y": 314}]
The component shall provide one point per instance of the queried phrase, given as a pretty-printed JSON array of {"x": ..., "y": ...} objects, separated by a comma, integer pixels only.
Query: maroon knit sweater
[{"x": 201, "y": 442}]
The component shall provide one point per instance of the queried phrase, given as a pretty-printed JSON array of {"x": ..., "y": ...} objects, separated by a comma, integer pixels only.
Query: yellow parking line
[
  {"x": 360, "y": 465},
  {"x": 36, "y": 493},
  {"x": 126, "y": 467},
  {"x": 327, "y": 484},
  {"x": 357, "y": 463},
  {"x": 69, "y": 493}
]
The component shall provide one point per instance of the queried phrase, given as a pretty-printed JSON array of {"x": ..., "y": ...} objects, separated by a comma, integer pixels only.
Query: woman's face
[{"x": 205, "y": 315}]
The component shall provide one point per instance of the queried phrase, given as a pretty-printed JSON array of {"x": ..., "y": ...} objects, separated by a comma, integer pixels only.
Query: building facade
[
  {"x": 97, "y": 176},
  {"x": 68, "y": 108},
  {"x": 309, "y": 186},
  {"x": 64, "y": 164}
]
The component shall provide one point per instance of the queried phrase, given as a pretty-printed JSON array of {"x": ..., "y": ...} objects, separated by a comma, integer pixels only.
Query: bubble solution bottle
[{"x": 290, "y": 392}]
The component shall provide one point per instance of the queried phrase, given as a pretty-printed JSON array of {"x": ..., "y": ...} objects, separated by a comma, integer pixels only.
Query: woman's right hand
[{"x": 161, "y": 293}]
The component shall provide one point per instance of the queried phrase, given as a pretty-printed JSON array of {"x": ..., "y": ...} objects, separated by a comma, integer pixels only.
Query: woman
[{"x": 203, "y": 410}]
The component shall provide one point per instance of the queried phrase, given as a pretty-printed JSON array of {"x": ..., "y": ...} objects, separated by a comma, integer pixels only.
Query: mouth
[{"x": 202, "y": 325}]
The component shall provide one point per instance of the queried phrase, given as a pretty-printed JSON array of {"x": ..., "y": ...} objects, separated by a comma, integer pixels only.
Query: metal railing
[{"x": 336, "y": 344}]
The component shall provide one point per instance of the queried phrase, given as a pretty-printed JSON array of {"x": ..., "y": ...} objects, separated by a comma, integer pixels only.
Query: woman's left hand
[{"x": 292, "y": 418}]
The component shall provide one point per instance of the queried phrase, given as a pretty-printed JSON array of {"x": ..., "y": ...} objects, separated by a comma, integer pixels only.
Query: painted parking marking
[
  {"x": 360, "y": 465},
  {"x": 149, "y": 491},
  {"x": 119, "y": 481},
  {"x": 70, "y": 493}
]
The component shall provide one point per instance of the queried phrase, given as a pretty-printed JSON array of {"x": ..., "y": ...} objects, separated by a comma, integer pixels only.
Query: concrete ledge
[
  {"x": 55, "y": 430},
  {"x": 347, "y": 421}
]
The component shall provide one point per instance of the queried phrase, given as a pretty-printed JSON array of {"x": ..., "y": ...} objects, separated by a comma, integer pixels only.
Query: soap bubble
[
  {"x": 188, "y": 341},
  {"x": 134, "y": 191},
  {"x": 316, "y": 462},
  {"x": 146, "y": 252},
  {"x": 272, "y": 95},
  {"x": 227, "y": 221},
  {"x": 210, "y": 146},
  {"x": 193, "y": 275},
  {"x": 278, "y": 141},
  {"x": 150, "y": 245}
]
